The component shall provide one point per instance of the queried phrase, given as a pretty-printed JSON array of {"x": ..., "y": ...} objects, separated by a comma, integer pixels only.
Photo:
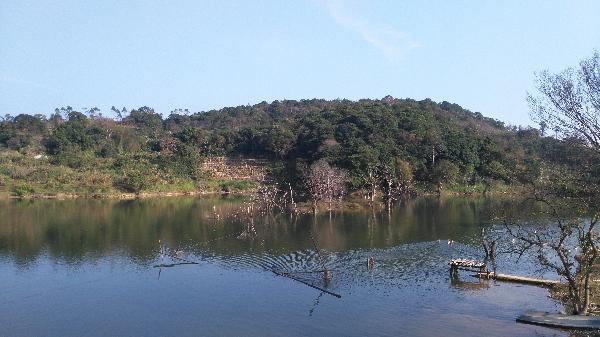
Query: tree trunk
[
  {"x": 575, "y": 300},
  {"x": 292, "y": 197},
  {"x": 586, "y": 296}
]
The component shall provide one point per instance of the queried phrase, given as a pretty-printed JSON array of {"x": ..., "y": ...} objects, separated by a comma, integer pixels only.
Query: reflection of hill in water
[
  {"x": 86, "y": 267},
  {"x": 80, "y": 230}
]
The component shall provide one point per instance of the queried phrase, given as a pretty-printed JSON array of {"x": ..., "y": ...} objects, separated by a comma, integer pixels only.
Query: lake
[{"x": 96, "y": 268}]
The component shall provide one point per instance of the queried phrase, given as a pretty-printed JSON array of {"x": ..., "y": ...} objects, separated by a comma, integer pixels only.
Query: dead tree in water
[
  {"x": 291, "y": 196},
  {"x": 271, "y": 197},
  {"x": 396, "y": 180},
  {"x": 268, "y": 198},
  {"x": 325, "y": 183},
  {"x": 370, "y": 182},
  {"x": 489, "y": 245},
  {"x": 389, "y": 184}
]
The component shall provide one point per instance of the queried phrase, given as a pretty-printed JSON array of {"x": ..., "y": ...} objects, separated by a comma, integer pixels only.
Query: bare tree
[
  {"x": 324, "y": 182},
  {"x": 389, "y": 183},
  {"x": 569, "y": 102},
  {"x": 370, "y": 180},
  {"x": 269, "y": 197},
  {"x": 568, "y": 247},
  {"x": 396, "y": 179},
  {"x": 489, "y": 242}
]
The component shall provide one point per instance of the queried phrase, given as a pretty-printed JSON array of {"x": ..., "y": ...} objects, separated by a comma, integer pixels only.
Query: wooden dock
[
  {"x": 480, "y": 270},
  {"x": 468, "y": 265}
]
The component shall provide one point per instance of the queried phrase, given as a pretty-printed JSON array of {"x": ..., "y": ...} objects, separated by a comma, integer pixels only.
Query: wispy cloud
[{"x": 392, "y": 43}]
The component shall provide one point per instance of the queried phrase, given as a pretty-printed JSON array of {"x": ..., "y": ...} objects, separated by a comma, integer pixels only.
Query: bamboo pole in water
[
  {"x": 518, "y": 279},
  {"x": 162, "y": 265},
  {"x": 308, "y": 284}
]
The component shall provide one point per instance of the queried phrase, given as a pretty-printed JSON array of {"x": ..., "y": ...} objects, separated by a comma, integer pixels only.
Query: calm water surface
[{"x": 88, "y": 268}]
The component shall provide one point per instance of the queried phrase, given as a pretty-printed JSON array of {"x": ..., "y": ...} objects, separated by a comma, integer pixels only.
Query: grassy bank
[
  {"x": 24, "y": 176},
  {"x": 29, "y": 176}
]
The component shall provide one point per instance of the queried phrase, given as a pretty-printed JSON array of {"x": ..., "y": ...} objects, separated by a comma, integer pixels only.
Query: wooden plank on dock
[
  {"x": 466, "y": 263},
  {"x": 560, "y": 320},
  {"x": 519, "y": 279}
]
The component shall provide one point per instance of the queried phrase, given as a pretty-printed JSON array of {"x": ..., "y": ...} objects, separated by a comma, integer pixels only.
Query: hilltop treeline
[{"x": 415, "y": 144}]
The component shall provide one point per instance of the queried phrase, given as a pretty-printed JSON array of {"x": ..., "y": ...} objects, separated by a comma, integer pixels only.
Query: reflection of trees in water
[{"x": 75, "y": 230}]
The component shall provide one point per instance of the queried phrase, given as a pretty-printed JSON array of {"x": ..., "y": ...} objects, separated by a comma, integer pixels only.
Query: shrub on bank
[{"x": 23, "y": 190}]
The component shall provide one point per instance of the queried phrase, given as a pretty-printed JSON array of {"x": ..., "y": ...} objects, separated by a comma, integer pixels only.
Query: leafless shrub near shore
[{"x": 325, "y": 183}]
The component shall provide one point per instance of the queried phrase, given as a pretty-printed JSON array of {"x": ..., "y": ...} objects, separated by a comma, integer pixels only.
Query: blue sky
[{"x": 202, "y": 55}]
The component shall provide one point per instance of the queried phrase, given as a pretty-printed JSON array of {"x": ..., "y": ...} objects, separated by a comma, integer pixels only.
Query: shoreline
[
  {"x": 113, "y": 196},
  {"x": 150, "y": 194}
]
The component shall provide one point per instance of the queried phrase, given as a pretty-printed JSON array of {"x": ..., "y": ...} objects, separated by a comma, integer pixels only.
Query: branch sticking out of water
[{"x": 306, "y": 283}]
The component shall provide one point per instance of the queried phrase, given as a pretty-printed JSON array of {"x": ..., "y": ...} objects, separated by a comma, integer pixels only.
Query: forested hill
[{"x": 421, "y": 143}]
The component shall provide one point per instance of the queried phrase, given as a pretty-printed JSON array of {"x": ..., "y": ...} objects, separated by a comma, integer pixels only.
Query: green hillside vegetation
[{"x": 416, "y": 146}]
